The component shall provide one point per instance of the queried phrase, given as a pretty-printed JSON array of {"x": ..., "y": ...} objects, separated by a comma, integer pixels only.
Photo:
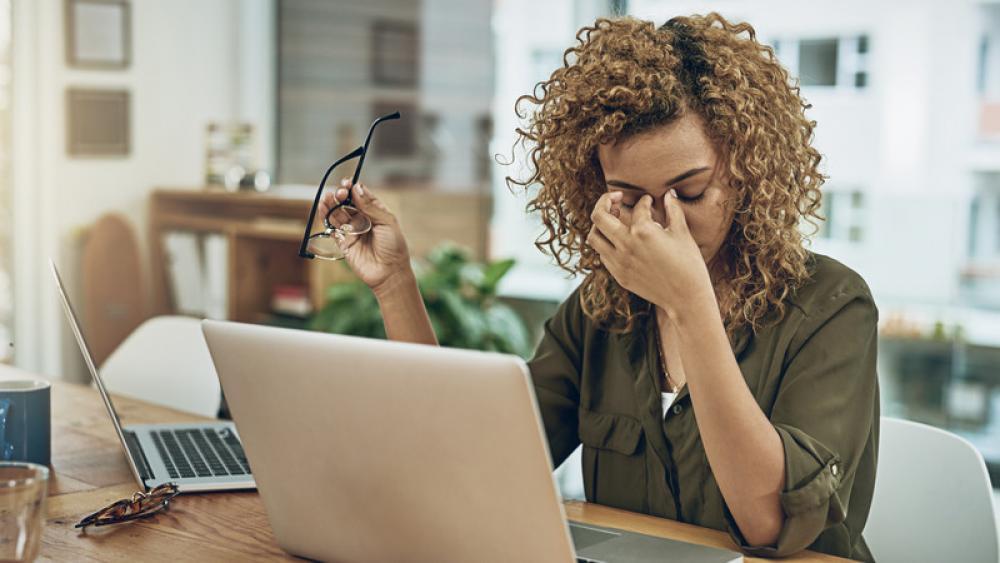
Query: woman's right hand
[{"x": 378, "y": 255}]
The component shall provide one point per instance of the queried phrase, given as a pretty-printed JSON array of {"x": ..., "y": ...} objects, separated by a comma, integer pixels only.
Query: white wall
[{"x": 185, "y": 71}]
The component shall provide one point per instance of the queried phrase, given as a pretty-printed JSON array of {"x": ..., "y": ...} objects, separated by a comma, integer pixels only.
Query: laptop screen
[{"x": 85, "y": 350}]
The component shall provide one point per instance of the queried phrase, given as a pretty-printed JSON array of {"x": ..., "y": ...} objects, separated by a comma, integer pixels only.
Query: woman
[{"x": 715, "y": 370}]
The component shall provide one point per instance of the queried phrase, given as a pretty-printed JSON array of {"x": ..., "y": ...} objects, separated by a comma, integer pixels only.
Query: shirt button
[
  {"x": 833, "y": 469},
  {"x": 677, "y": 409}
]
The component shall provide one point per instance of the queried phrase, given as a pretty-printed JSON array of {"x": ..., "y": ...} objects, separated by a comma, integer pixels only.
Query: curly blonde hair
[{"x": 626, "y": 76}]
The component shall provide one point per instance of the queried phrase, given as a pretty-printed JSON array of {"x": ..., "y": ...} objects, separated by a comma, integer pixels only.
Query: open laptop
[
  {"x": 204, "y": 456},
  {"x": 368, "y": 450}
]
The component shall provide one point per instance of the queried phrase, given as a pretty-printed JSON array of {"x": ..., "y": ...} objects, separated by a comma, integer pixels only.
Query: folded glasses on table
[{"x": 141, "y": 505}]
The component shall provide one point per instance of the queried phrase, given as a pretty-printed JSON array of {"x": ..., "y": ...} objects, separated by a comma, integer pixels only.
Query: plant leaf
[
  {"x": 493, "y": 274},
  {"x": 507, "y": 330},
  {"x": 458, "y": 293}
]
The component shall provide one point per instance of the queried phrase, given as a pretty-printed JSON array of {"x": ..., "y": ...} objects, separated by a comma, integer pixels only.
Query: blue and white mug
[{"x": 25, "y": 421}]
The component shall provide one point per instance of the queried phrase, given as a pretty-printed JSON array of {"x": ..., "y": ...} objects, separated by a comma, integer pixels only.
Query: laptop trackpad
[{"x": 584, "y": 537}]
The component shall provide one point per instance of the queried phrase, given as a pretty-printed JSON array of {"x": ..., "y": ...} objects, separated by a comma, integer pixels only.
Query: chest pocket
[{"x": 614, "y": 464}]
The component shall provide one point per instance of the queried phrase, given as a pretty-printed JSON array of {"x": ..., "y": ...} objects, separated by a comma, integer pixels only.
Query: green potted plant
[{"x": 461, "y": 300}]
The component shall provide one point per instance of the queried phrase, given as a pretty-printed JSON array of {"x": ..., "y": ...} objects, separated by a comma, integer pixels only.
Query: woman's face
[{"x": 677, "y": 156}]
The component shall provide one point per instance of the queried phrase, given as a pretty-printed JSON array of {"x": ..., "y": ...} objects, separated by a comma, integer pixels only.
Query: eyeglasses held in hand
[
  {"x": 343, "y": 219},
  {"x": 141, "y": 505}
]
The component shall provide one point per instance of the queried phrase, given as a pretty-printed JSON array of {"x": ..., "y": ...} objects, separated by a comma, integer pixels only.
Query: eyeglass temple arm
[
  {"x": 368, "y": 140},
  {"x": 360, "y": 151}
]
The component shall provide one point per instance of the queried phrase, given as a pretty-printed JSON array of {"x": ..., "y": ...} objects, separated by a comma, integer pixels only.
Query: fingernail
[
  {"x": 361, "y": 191},
  {"x": 673, "y": 192}
]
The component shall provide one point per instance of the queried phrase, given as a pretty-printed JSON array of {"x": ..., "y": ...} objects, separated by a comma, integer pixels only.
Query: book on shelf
[
  {"x": 291, "y": 300},
  {"x": 198, "y": 270},
  {"x": 184, "y": 265}
]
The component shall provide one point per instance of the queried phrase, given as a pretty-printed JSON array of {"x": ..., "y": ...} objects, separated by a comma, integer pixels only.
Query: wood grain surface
[{"x": 89, "y": 471}]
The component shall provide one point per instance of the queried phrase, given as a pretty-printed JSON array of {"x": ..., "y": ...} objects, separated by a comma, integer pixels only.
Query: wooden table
[{"x": 89, "y": 472}]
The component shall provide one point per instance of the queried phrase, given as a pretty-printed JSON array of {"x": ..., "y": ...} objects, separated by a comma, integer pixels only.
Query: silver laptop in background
[
  {"x": 204, "y": 456},
  {"x": 370, "y": 450}
]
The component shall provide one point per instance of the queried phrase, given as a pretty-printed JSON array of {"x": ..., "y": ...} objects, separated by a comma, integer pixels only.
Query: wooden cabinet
[{"x": 264, "y": 232}]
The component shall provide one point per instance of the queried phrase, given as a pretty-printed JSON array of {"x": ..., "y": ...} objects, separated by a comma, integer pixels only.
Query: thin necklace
[{"x": 663, "y": 364}]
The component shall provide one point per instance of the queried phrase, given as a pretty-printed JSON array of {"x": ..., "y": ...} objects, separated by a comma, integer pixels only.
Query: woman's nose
[{"x": 659, "y": 213}]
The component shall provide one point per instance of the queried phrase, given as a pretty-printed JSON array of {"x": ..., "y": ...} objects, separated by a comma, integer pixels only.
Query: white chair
[
  {"x": 166, "y": 361},
  {"x": 933, "y": 501}
]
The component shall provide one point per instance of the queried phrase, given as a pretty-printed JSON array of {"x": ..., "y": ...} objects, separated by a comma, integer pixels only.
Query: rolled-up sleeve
[
  {"x": 826, "y": 414},
  {"x": 555, "y": 371}
]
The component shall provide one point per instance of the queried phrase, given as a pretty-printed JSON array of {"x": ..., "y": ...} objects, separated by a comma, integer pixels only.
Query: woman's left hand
[{"x": 662, "y": 265}]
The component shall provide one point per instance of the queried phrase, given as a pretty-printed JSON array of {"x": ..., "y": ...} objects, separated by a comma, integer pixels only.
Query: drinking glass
[{"x": 24, "y": 488}]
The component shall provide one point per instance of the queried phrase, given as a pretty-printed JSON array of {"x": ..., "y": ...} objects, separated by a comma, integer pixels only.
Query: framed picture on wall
[
  {"x": 98, "y": 33},
  {"x": 97, "y": 123}
]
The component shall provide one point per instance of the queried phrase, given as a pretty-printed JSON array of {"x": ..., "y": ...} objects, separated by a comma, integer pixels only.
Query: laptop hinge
[{"x": 138, "y": 456}]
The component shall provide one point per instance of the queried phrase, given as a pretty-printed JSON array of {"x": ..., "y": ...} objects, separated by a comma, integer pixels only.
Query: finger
[
  {"x": 327, "y": 201},
  {"x": 325, "y": 204},
  {"x": 611, "y": 227},
  {"x": 599, "y": 242},
  {"x": 616, "y": 207},
  {"x": 344, "y": 189},
  {"x": 675, "y": 214},
  {"x": 371, "y": 206},
  {"x": 330, "y": 200},
  {"x": 609, "y": 200},
  {"x": 345, "y": 242},
  {"x": 642, "y": 214},
  {"x": 340, "y": 216},
  {"x": 606, "y": 252}
]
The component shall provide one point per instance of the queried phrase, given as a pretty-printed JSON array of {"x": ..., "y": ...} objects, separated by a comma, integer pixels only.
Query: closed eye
[{"x": 693, "y": 199}]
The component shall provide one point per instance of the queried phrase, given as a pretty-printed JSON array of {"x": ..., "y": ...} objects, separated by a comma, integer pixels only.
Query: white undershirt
[{"x": 667, "y": 398}]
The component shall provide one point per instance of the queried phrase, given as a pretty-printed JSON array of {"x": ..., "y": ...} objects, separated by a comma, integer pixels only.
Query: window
[
  {"x": 984, "y": 218},
  {"x": 988, "y": 55},
  {"x": 395, "y": 53},
  {"x": 840, "y": 62},
  {"x": 982, "y": 66},
  {"x": 818, "y": 62},
  {"x": 341, "y": 63},
  {"x": 988, "y": 74},
  {"x": 618, "y": 8},
  {"x": 844, "y": 211},
  {"x": 980, "y": 276}
]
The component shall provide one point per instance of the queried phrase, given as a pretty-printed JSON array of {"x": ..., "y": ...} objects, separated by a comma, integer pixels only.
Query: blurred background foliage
[{"x": 461, "y": 299}]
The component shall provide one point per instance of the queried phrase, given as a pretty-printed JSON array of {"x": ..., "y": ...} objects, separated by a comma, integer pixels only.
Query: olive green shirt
[{"x": 812, "y": 374}]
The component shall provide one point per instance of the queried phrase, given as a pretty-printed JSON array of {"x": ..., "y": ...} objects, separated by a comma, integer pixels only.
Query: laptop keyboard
[{"x": 200, "y": 452}]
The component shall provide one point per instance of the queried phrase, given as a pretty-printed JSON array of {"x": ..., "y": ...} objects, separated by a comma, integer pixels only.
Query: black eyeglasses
[{"x": 343, "y": 219}]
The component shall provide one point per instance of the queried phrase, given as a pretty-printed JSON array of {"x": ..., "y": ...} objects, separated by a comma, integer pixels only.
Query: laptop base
[{"x": 596, "y": 544}]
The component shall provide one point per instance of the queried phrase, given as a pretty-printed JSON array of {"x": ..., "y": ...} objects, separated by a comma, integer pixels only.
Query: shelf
[{"x": 264, "y": 231}]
